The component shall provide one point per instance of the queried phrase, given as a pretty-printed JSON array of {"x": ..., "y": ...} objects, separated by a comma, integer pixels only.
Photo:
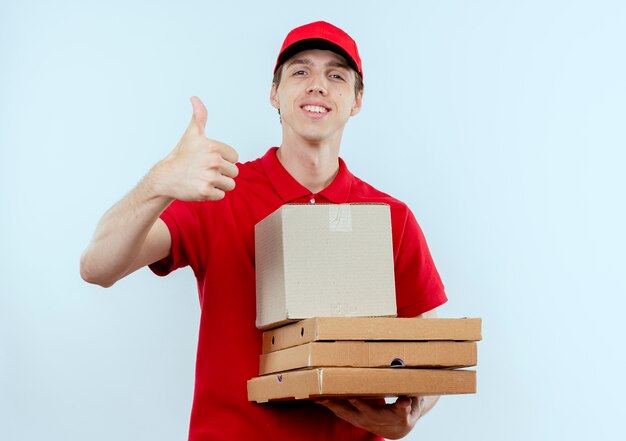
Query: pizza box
[
  {"x": 360, "y": 382},
  {"x": 371, "y": 329},
  {"x": 434, "y": 354}
]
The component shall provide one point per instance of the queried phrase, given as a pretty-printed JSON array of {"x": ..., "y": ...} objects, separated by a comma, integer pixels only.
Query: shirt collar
[{"x": 289, "y": 189}]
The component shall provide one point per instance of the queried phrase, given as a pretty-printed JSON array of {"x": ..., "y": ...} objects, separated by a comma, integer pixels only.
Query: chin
[
  {"x": 312, "y": 133},
  {"x": 314, "y": 137}
]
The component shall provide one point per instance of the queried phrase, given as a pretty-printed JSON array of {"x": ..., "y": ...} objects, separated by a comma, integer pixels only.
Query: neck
[{"x": 314, "y": 165}]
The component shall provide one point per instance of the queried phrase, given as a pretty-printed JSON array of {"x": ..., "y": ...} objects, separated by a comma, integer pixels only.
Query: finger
[
  {"x": 362, "y": 406},
  {"x": 228, "y": 153},
  {"x": 403, "y": 406},
  {"x": 224, "y": 183},
  {"x": 212, "y": 194},
  {"x": 404, "y": 401},
  {"x": 199, "y": 116},
  {"x": 417, "y": 407},
  {"x": 338, "y": 405},
  {"x": 228, "y": 169},
  {"x": 341, "y": 408}
]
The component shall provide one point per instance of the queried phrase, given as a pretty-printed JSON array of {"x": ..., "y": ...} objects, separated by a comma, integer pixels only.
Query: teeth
[{"x": 316, "y": 109}]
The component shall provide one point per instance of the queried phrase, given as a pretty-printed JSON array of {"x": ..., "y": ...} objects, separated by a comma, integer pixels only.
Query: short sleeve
[
  {"x": 418, "y": 285},
  {"x": 186, "y": 232}
]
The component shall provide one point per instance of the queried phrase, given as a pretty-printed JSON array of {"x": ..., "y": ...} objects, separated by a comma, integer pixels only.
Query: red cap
[{"x": 320, "y": 35}]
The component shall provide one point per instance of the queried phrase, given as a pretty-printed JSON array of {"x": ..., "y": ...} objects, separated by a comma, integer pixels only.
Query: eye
[
  {"x": 336, "y": 76},
  {"x": 299, "y": 72}
]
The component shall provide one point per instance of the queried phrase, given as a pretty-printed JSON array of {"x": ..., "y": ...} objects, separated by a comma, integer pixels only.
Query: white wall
[{"x": 500, "y": 123}]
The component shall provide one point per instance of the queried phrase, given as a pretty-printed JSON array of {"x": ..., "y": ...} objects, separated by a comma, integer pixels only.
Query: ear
[
  {"x": 274, "y": 96},
  {"x": 358, "y": 101}
]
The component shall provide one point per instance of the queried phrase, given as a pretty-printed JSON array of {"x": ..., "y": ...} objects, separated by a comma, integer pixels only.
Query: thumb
[{"x": 199, "y": 117}]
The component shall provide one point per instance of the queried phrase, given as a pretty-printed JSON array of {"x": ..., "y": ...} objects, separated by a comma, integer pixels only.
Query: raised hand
[{"x": 198, "y": 168}]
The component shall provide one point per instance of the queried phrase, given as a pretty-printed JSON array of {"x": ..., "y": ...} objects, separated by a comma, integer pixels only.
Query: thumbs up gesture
[{"x": 198, "y": 168}]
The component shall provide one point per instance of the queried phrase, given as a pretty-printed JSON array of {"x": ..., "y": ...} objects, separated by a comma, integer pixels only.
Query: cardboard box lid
[
  {"x": 360, "y": 382},
  {"x": 371, "y": 328},
  {"x": 324, "y": 260},
  {"x": 370, "y": 354}
]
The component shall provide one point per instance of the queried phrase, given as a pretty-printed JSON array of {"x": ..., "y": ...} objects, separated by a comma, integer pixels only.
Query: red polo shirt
[{"x": 217, "y": 240}]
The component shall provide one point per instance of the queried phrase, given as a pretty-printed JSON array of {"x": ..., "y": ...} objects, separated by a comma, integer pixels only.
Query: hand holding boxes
[
  {"x": 330, "y": 269},
  {"x": 367, "y": 357}
]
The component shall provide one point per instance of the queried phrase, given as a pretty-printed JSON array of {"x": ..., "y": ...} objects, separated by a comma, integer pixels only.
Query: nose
[{"x": 316, "y": 86}]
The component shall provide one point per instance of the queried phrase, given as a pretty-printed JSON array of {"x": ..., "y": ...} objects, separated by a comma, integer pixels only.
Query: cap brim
[{"x": 315, "y": 43}]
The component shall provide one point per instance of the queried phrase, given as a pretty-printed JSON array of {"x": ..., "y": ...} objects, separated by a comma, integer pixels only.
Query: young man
[{"x": 198, "y": 207}]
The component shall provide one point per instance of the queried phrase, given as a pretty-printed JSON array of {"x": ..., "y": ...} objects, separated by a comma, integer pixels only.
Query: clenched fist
[{"x": 198, "y": 168}]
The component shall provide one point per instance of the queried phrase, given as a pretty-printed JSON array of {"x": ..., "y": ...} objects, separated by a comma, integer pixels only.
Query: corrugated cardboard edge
[
  {"x": 429, "y": 354},
  {"x": 267, "y": 306},
  {"x": 357, "y": 382},
  {"x": 371, "y": 328},
  {"x": 296, "y": 385}
]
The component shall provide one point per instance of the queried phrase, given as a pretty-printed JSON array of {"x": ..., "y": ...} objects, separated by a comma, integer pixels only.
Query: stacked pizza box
[
  {"x": 326, "y": 302},
  {"x": 367, "y": 357}
]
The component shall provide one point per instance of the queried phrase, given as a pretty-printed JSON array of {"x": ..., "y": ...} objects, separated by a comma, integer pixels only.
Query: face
[{"x": 316, "y": 95}]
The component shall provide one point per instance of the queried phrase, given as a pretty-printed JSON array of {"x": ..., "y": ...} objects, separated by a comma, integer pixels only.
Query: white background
[{"x": 500, "y": 123}]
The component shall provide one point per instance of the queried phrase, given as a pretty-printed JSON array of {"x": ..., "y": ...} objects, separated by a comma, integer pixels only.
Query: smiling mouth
[{"x": 315, "y": 109}]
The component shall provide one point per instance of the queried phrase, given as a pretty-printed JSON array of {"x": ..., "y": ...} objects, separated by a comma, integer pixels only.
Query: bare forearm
[
  {"x": 129, "y": 235},
  {"x": 121, "y": 233}
]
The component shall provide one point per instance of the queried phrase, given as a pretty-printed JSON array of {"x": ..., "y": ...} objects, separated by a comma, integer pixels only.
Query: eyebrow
[{"x": 308, "y": 62}]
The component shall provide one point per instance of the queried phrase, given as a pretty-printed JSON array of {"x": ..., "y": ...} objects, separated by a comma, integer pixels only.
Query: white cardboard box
[{"x": 324, "y": 260}]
